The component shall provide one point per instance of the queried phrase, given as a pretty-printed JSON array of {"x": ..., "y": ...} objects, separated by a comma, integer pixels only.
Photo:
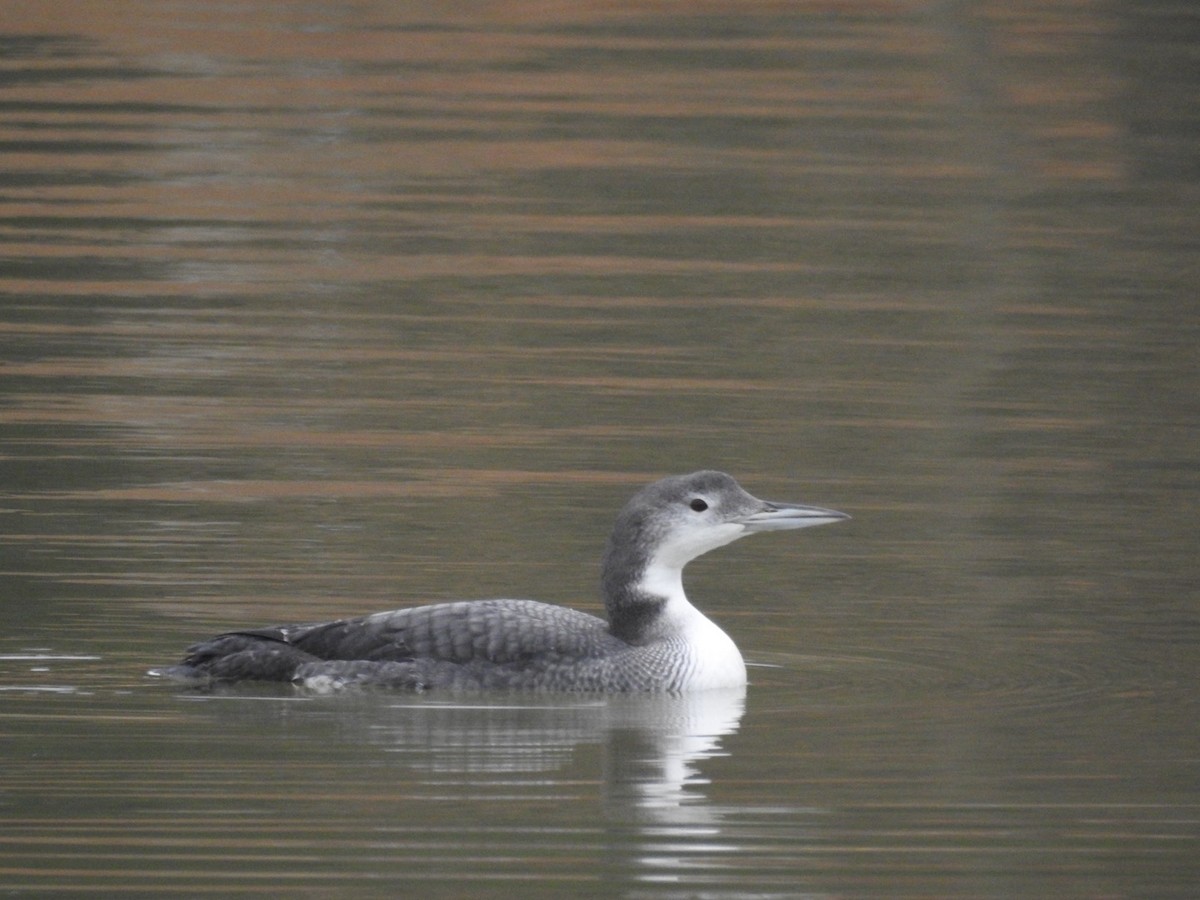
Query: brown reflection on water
[{"x": 312, "y": 309}]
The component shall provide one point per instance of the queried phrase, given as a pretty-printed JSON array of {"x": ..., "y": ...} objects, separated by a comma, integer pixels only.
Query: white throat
[{"x": 713, "y": 659}]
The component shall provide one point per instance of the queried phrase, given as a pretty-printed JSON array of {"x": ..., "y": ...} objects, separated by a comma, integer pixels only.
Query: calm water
[{"x": 309, "y": 310}]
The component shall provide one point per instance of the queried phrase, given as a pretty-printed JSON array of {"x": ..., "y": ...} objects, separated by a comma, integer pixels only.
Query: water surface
[{"x": 312, "y": 310}]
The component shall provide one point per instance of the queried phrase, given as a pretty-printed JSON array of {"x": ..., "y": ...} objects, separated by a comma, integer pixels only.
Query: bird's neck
[
  {"x": 646, "y": 604},
  {"x": 643, "y": 596}
]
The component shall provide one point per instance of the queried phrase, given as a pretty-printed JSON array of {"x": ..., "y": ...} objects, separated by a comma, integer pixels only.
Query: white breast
[{"x": 711, "y": 658}]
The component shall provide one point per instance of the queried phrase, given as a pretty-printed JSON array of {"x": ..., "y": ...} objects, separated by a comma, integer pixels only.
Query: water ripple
[{"x": 873, "y": 676}]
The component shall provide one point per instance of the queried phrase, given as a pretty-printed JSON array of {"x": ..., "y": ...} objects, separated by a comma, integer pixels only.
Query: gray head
[{"x": 670, "y": 522}]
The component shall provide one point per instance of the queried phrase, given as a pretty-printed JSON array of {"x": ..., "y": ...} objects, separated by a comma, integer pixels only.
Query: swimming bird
[{"x": 654, "y": 639}]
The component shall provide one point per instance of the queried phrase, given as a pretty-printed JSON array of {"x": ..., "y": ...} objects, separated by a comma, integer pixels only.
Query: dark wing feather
[
  {"x": 496, "y": 631},
  {"x": 483, "y": 642}
]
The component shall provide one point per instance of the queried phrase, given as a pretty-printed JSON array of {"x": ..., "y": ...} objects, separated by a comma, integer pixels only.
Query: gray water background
[{"x": 308, "y": 310}]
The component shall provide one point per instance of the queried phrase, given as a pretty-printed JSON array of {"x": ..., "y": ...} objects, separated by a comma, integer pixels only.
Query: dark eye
[{"x": 698, "y": 505}]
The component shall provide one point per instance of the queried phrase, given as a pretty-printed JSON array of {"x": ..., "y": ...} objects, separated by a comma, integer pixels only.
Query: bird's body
[{"x": 654, "y": 639}]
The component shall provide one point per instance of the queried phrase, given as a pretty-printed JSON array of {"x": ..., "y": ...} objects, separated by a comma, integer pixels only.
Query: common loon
[{"x": 654, "y": 639}]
